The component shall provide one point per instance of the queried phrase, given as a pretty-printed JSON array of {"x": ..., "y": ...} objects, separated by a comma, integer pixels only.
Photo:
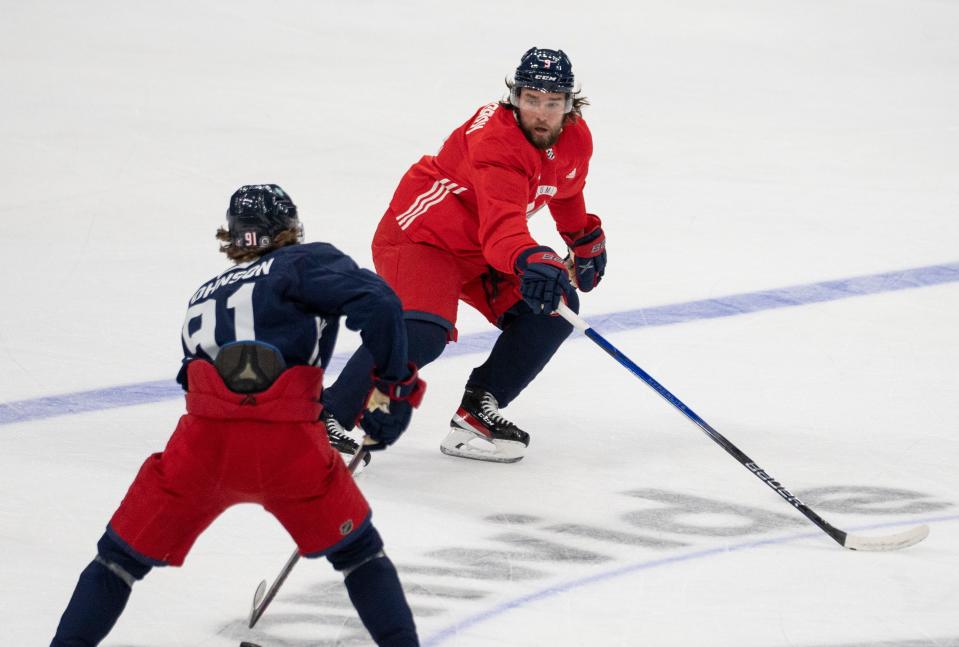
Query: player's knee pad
[
  {"x": 426, "y": 340},
  {"x": 119, "y": 561},
  {"x": 366, "y": 546}
]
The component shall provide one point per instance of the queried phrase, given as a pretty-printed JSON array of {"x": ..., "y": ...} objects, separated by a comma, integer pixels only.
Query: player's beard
[{"x": 539, "y": 139}]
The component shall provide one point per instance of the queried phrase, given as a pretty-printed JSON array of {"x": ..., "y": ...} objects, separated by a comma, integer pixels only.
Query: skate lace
[
  {"x": 335, "y": 430},
  {"x": 490, "y": 407}
]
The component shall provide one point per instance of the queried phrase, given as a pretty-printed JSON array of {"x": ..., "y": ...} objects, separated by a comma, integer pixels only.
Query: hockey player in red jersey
[
  {"x": 256, "y": 340},
  {"x": 456, "y": 230}
]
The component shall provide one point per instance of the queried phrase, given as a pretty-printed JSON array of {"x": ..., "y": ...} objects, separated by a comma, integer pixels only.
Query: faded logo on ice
[{"x": 522, "y": 549}]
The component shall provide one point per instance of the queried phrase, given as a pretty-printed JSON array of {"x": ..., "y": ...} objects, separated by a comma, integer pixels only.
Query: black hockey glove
[
  {"x": 389, "y": 409},
  {"x": 587, "y": 254},
  {"x": 543, "y": 279}
]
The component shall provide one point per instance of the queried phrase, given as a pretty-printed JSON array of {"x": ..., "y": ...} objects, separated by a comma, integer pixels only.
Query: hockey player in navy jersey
[
  {"x": 456, "y": 230},
  {"x": 256, "y": 340}
]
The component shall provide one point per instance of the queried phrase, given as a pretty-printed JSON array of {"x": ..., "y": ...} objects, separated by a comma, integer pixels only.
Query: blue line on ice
[
  {"x": 451, "y": 631},
  {"x": 736, "y": 304}
]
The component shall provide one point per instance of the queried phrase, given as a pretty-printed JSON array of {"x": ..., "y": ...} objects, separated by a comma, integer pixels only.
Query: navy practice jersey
[{"x": 293, "y": 299}]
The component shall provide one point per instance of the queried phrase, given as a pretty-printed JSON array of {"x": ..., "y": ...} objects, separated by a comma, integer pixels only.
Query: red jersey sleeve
[
  {"x": 568, "y": 207},
  {"x": 501, "y": 176}
]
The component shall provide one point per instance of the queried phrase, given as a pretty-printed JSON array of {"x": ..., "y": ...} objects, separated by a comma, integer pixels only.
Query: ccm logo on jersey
[{"x": 484, "y": 115}]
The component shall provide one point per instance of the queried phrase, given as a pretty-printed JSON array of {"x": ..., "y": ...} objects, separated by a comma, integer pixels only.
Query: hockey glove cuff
[
  {"x": 587, "y": 254},
  {"x": 411, "y": 389},
  {"x": 543, "y": 279},
  {"x": 389, "y": 408}
]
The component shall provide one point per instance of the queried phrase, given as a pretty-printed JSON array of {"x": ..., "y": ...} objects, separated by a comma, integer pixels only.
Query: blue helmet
[
  {"x": 257, "y": 213},
  {"x": 546, "y": 70}
]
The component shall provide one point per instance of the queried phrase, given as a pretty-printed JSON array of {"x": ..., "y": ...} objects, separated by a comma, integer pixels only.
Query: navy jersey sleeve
[{"x": 330, "y": 282}]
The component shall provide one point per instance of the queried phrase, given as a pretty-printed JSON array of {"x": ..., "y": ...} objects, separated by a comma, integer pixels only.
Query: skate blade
[{"x": 468, "y": 444}]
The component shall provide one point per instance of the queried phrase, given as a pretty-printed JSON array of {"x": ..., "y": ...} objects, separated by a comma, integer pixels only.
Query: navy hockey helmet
[
  {"x": 546, "y": 70},
  {"x": 257, "y": 213}
]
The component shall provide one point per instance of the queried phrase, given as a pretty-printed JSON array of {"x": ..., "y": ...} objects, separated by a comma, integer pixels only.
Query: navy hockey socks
[
  {"x": 524, "y": 348},
  {"x": 100, "y": 596},
  {"x": 375, "y": 590}
]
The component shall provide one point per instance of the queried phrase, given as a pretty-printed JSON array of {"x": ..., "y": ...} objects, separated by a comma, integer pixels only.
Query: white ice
[{"x": 740, "y": 146}]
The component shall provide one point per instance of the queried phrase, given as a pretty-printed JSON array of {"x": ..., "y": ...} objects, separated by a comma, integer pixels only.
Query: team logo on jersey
[{"x": 571, "y": 174}]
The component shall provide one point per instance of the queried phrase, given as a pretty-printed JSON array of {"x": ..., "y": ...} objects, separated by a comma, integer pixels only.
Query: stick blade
[
  {"x": 257, "y": 598},
  {"x": 888, "y": 542}
]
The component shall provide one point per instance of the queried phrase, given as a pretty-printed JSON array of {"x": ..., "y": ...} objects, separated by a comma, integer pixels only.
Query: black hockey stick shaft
[
  {"x": 718, "y": 438},
  {"x": 260, "y": 605}
]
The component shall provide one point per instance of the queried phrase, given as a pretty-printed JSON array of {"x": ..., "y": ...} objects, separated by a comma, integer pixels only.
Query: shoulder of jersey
[
  {"x": 492, "y": 121},
  {"x": 504, "y": 121},
  {"x": 311, "y": 252},
  {"x": 501, "y": 137},
  {"x": 314, "y": 247},
  {"x": 578, "y": 134}
]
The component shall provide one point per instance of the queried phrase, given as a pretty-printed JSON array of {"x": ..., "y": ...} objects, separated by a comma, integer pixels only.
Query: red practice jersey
[{"x": 474, "y": 197}]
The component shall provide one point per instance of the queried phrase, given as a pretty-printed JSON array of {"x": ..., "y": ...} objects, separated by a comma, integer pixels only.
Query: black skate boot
[
  {"x": 340, "y": 438},
  {"x": 479, "y": 431}
]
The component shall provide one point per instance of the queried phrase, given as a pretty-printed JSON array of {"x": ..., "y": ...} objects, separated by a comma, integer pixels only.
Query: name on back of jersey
[{"x": 260, "y": 269}]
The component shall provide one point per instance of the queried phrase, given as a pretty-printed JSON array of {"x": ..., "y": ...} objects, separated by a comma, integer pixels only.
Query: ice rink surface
[{"x": 779, "y": 183}]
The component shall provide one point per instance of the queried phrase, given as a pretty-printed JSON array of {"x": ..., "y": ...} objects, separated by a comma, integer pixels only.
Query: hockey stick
[
  {"x": 853, "y": 542},
  {"x": 261, "y": 601}
]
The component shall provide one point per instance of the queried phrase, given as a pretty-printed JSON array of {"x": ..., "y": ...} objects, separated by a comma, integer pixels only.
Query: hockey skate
[
  {"x": 480, "y": 432},
  {"x": 341, "y": 441}
]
